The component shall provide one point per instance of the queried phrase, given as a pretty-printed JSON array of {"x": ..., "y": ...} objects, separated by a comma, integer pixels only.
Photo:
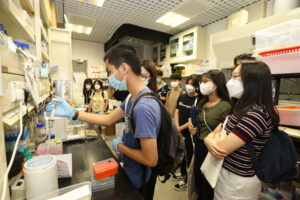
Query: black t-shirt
[
  {"x": 163, "y": 91},
  {"x": 184, "y": 105},
  {"x": 87, "y": 94}
]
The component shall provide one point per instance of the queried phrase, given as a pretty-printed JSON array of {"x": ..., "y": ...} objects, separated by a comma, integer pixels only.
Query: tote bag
[{"x": 211, "y": 166}]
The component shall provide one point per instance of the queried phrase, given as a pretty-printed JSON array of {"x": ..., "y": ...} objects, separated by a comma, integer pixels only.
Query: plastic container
[
  {"x": 51, "y": 147},
  {"x": 282, "y": 61},
  {"x": 66, "y": 191},
  {"x": 105, "y": 168},
  {"x": 103, "y": 184},
  {"x": 40, "y": 176},
  {"x": 283, "y": 35}
]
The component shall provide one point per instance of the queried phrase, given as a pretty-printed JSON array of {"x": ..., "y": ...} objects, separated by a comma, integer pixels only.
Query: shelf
[
  {"x": 45, "y": 54},
  {"x": 15, "y": 24},
  {"x": 43, "y": 98},
  {"x": 44, "y": 32},
  {"x": 27, "y": 5},
  {"x": 292, "y": 132},
  {"x": 11, "y": 61},
  {"x": 13, "y": 116}
]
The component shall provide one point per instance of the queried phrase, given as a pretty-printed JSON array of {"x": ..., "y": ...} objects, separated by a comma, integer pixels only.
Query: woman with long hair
[
  {"x": 211, "y": 111},
  {"x": 251, "y": 119},
  {"x": 87, "y": 90},
  {"x": 149, "y": 74}
]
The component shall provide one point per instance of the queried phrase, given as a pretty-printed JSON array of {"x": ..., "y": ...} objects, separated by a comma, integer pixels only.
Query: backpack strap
[
  {"x": 251, "y": 151},
  {"x": 135, "y": 101}
]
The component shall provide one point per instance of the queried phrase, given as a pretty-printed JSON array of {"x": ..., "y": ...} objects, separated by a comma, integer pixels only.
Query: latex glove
[
  {"x": 115, "y": 144},
  {"x": 62, "y": 108}
]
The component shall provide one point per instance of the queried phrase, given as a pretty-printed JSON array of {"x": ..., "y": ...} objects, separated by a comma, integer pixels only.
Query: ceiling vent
[{"x": 192, "y": 8}]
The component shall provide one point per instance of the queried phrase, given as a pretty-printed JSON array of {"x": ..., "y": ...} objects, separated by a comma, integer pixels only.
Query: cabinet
[
  {"x": 60, "y": 46},
  {"x": 188, "y": 46},
  {"x": 161, "y": 53}
]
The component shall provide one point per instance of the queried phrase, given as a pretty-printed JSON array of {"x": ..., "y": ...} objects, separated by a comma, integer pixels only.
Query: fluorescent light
[
  {"x": 69, "y": 27},
  {"x": 172, "y": 19},
  {"x": 100, "y": 3},
  {"x": 89, "y": 30},
  {"x": 79, "y": 28}
]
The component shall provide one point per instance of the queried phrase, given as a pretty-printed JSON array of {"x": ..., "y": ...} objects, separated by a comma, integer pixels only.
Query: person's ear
[{"x": 124, "y": 68}]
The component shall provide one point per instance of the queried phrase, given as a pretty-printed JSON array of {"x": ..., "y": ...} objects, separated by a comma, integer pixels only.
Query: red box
[{"x": 105, "y": 168}]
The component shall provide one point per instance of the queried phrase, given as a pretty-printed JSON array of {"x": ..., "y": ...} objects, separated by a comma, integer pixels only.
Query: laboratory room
[{"x": 149, "y": 99}]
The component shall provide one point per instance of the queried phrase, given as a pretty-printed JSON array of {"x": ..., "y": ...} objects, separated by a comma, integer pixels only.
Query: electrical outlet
[{"x": 16, "y": 89}]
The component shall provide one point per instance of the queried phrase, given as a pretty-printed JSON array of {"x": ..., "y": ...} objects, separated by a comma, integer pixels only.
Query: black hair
[
  {"x": 218, "y": 78},
  {"x": 98, "y": 81},
  {"x": 175, "y": 77},
  {"x": 195, "y": 81},
  {"x": 257, "y": 82},
  {"x": 244, "y": 56},
  {"x": 159, "y": 73},
  {"x": 87, "y": 81},
  {"x": 122, "y": 53},
  {"x": 150, "y": 66}
]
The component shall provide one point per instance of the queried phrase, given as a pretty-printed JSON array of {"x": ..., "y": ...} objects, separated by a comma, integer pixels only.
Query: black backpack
[
  {"x": 278, "y": 159},
  {"x": 170, "y": 145}
]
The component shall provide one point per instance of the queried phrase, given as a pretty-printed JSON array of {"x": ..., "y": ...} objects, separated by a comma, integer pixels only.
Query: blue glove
[
  {"x": 62, "y": 108},
  {"x": 115, "y": 144}
]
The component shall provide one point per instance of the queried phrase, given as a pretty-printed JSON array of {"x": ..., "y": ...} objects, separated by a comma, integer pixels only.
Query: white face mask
[
  {"x": 88, "y": 87},
  {"x": 235, "y": 88},
  {"x": 206, "y": 88},
  {"x": 174, "y": 84},
  {"x": 145, "y": 80},
  {"x": 190, "y": 89},
  {"x": 97, "y": 87}
]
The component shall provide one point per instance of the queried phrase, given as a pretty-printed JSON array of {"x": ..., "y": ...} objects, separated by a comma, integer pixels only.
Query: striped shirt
[{"x": 254, "y": 126}]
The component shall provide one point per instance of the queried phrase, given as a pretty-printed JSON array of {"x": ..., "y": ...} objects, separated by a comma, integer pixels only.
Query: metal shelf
[{"x": 13, "y": 21}]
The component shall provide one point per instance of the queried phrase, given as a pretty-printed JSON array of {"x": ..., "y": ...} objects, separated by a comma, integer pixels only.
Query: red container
[{"x": 105, "y": 168}]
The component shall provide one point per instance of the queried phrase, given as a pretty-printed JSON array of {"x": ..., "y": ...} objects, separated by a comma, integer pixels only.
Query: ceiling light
[
  {"x": 89, "y": 30},
  {"x": 79, "y": 28},
  {"x": 172, "y": 19},
  {"x": 100, "y": 3}
]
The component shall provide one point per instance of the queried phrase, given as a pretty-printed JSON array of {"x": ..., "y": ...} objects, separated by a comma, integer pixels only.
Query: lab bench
[{"x": 84, "y": 154}]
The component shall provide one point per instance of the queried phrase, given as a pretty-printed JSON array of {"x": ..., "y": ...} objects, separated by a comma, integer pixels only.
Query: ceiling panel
[{"x": 142, "y": 13}]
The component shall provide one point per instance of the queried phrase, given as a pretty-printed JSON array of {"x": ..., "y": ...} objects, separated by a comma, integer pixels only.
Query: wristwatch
[{"x": 75, "y": 116}]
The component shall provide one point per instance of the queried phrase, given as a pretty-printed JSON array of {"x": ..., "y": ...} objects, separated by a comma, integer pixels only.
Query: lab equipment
[
  {"x": 81, "y": 191},
  {"x": 63, "y": 109},
  {"x": 18, "y": 189},
  {"x": 105, "y": 168},
  {"x": 40, "y": 176},
  {"x": 103, "y": 175},
  {"x": 50, "y": 147}
]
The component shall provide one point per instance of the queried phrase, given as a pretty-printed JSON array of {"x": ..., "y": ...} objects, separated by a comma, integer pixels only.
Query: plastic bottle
[
  {"x": 3, "y": 39},
  {"x": 41, "y": 133}
]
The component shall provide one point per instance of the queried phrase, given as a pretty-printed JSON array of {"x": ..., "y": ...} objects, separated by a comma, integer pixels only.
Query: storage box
[
  {"x": 283, "y": 35},
  {"x": 105, "y": 168}
]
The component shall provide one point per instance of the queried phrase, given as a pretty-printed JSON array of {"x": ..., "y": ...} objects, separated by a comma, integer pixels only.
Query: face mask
[
  {"x": 117, "y": 84},
  {"x": 97, "y": 87},
  {"x": 145, "y": 80},
  {"x": 235, "y": 88},
  {"x": 206, "y": 88},
  {"x": 174, "y": 84},
  {"x": 88, "y": 87},
  {"x": 190, "y": 89},
  {"x": 158, "y": 80}
]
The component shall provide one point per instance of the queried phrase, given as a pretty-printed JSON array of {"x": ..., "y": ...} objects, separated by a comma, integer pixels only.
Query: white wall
[
  {"x": 211, "y": 29},
  {"x": 90, "y": 51}
]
